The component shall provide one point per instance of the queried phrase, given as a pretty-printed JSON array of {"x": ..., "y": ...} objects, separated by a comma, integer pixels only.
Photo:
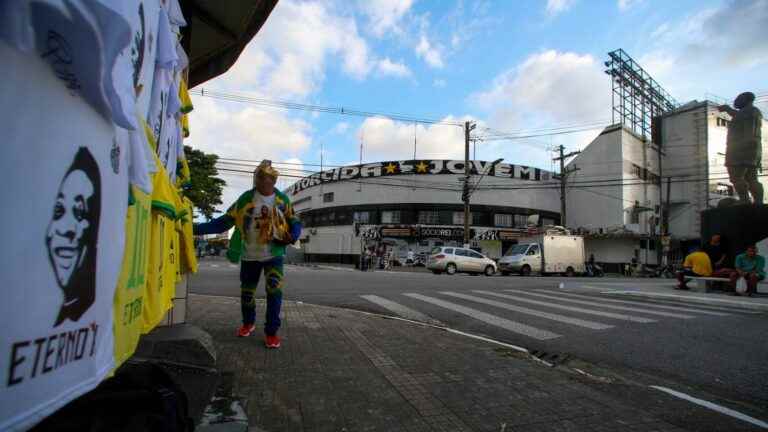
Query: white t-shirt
[
  {"x": 66, "y": 179},
  {"x": 254, "y": 250},
  {"x": 82, "y": 42}
]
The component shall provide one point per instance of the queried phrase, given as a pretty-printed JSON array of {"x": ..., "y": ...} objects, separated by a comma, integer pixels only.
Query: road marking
[
  {"x": 713, "y": 406},
  {"x": 554, "y": 317},
  {"x": 398, "y": 309},
  {"x": 677, "y": 308},
  {"x": 487, "y": 318},
  {"x": 571, "y": 308},
  {"x": 592, "y": 303}
]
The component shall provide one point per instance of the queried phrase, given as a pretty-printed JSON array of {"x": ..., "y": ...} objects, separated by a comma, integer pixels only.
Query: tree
[{"x": 205, "y": 187}]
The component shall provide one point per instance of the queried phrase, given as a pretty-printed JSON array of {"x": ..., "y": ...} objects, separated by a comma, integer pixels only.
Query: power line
[{"x": 275, "y": 103}]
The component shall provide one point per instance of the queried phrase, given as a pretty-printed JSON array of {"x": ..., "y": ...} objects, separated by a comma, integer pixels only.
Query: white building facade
[
  {"x": 624, "y": 181},
  {"x": 416, "y": 205}
]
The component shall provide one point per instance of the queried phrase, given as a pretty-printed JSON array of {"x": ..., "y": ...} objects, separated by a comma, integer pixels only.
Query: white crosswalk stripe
[
  {"x": 621, "y": 317},
  {"x": 487, "y": 318},
  {"x": 397, "y": 308},
  {"x": 657, "y": 306},
  {"x": 541, "y": 314},
  {"x": 593, "y": 303}
]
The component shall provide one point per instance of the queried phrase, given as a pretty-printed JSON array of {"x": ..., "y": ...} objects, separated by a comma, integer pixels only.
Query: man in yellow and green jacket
[{"x": 264, "y": 224}]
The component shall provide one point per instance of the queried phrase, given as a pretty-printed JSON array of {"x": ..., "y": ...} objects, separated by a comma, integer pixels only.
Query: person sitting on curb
[
  {"x": 751, "y": 267},
  {"x": 696, "y": 264}
]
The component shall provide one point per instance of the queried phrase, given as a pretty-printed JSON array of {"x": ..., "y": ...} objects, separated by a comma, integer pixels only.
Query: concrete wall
[
  {"x": 610, "y": 159},
  {"x": 596, "y": 207},
  {"x": 618, "y": 250},
  {"x": 339, "y": 240}
]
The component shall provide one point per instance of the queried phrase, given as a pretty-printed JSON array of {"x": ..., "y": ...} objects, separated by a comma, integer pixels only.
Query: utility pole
[
  {"x": 563, "y": 177},
  {"x": 468, "y": 127},
  {"x": 665, "y": 224}
]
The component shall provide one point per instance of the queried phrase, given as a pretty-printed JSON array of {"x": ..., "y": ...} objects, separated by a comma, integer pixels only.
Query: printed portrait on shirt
[
  {"x": 137, "y": 51},
  {"x": 72, "y": 236}
]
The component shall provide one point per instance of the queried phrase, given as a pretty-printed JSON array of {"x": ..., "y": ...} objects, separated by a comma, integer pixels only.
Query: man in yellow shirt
[{"x": 696, "y": 264}]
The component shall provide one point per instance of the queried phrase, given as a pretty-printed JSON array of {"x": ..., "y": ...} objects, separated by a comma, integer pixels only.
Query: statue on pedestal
[{"x": 744, "y": 147}]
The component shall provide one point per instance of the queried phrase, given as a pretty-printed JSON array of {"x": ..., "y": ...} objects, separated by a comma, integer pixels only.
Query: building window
[
  {"x": 390, "y": 217},
  {"x": 503, "y": 220},
  {"x": 328, "y": 197},
  {"x": 547, "y": 221},
  {"x": 722, "y": 122},
  {"x": 458, "y": 218},
  {"x": 362, "y": 217},
  {"x": 521, "y": 221},
  {"x": 429, "y": 217}
]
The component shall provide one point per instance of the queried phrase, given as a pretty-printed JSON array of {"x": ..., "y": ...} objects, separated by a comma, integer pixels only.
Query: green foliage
[{"x": 205, "y": 188}]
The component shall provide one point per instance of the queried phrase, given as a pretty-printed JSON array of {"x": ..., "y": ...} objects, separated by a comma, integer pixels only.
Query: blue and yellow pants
[{"x": 250, "y": 272}]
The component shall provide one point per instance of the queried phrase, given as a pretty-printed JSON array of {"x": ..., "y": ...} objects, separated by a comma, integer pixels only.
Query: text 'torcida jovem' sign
[{"x": 419, "y": 167}]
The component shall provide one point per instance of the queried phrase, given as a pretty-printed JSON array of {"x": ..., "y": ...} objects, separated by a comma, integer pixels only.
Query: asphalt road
[{"x": 716, "y": 351}]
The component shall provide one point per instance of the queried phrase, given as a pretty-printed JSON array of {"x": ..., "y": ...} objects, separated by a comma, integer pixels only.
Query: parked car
[{"x": 454, "y": 260}]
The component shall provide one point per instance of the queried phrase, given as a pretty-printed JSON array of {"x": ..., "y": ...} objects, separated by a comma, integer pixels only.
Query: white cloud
[
  {"x": 431, "y": 54},
  {"x": 714, "y": 49},
  {"x": 288, "y": 58},
  {"x": 555, "y": 7},
  {"x": 385, "y": 139},
  {"x": 439, "y": 83},
  {"x": 231, "y": 131},
  {"x": 549, "y": 87},
  {"x": 387, "y": 67},
  {"x": 384, "y": 15},
  {"x": 626, "y": 4},
  {"x": 341, "y": 128}
]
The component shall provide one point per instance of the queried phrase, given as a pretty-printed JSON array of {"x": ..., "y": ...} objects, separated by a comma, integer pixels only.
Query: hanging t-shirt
[
  {"x": 256, "y": 248},
  {"x": 144, "y": 17},
  {"x": 187, "y": 254},
  {"x": 66, "y": 182},
  {"x": 81, "y": 41},
  {"x": 160, "y": 278},
  {"x": 129, "y": 295},
  {"x": 165, "y": 63}
]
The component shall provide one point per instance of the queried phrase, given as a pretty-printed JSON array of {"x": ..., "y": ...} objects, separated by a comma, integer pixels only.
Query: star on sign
[
  {"x": 421, "y": 167},
  {"x": 390, "y": 168}
]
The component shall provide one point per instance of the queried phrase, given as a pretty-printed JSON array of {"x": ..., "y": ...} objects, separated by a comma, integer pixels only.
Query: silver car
[{"x": 454, "y": 260}]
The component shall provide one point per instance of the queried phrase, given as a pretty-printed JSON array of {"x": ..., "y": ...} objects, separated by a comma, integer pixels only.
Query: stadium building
[{"x": 416, "y": 205}]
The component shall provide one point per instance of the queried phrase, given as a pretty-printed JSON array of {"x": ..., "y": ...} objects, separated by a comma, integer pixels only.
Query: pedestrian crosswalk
[{"x": 538, "y": 314}]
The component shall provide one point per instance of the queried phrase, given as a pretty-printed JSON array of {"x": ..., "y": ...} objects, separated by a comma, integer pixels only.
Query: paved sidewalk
[{"x": 342, "y": 370}]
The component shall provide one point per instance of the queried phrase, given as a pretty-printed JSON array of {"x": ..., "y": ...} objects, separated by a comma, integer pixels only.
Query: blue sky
[{"x": 510, "y": 65}]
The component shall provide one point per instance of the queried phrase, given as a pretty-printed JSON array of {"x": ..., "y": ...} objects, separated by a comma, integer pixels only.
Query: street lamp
[{"x": 467, "y": 194}]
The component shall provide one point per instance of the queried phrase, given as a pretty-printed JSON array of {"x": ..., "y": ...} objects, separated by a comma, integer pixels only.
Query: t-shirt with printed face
[
  {"x": 256, "y": 218},
  {"x": 67, "y": 178}
]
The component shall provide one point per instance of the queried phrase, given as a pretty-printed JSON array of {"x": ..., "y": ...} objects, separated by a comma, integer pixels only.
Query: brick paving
[{"x": 340, "y": 370}]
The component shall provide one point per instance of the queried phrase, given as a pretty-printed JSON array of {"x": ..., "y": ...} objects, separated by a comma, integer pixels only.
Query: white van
[{"x": 548, "y": 253}]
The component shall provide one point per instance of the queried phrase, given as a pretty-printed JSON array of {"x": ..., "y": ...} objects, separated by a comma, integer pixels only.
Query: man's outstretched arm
[{"x": 215, "y": 226}]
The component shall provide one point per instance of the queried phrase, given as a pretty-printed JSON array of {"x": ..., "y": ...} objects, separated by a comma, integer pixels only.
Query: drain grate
[{"x": 553, "y": 358}]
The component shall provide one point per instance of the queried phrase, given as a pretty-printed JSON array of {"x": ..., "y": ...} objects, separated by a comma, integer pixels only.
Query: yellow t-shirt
[
  {"x": 186, "y": 107},
  {"x": 129, "y": 295},
  {"x": 699, "y": 262},
  {"x": 161, "y": 273},
  {"x": 187, "y": 254}
]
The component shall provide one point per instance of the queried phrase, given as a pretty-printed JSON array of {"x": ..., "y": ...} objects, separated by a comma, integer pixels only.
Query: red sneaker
[
  {"x": 245, "y": 330},
  {"x": 272, "y": 341}
]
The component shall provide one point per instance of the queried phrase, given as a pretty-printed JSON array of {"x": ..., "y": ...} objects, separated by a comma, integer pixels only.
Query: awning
[{"x": 217, "y": 32}]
